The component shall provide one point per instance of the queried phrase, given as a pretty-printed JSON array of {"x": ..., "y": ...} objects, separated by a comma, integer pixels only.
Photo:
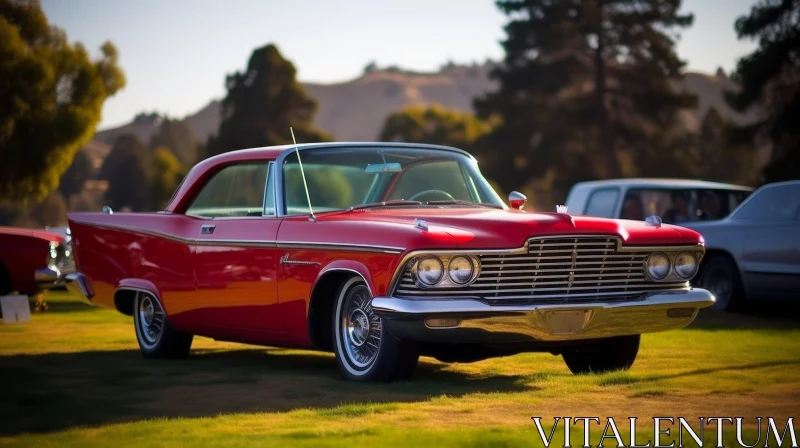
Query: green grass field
[{"x": 74, "y": 377}]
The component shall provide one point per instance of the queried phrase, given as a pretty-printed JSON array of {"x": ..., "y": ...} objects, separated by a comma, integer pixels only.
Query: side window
[
  {"x": 236, "y": 190},
  {"x": 603, "y": 203},
  {"x": 772, "y": 204}
]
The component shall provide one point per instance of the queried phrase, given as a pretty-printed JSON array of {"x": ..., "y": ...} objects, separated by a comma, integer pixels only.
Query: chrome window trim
[
  {"x": 619, "y": 247},
  {"x": 270, "y": 178}
]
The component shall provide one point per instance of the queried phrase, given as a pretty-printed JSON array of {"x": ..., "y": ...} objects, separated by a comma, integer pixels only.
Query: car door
[
  {"x": 235, "y": 258},
  {"x": 771, "y": 235}
]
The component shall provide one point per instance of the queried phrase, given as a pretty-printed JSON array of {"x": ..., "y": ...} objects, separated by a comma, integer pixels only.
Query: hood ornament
[
  {"x": 561, "y": 209},
  {"x": 653, "y": 220},
  {"x": 421, "y": 224}
]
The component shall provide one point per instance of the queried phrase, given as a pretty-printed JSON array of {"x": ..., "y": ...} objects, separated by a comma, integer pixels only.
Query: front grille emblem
[{"x": 571, "y": 278}]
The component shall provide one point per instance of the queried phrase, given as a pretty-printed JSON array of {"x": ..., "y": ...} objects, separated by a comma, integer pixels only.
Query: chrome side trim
[
  {"x": 253, "y": 243},
  {"x": 398, "y": 273},
  {"x": 340, "y": 246},
  {"x": 285, "y": 260}
]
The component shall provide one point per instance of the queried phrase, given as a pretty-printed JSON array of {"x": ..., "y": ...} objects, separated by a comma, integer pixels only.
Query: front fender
[{"x": 354, "y": 267}]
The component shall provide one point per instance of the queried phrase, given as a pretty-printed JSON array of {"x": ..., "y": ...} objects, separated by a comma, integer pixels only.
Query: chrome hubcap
[
  {"x": 361, "y": 328},
  {"x": 151, "y": 319}
]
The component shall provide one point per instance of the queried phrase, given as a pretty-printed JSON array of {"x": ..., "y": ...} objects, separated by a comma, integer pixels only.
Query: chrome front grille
[{"x": 574, "y": 269}]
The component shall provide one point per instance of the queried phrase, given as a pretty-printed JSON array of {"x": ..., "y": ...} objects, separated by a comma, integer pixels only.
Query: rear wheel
[
  {"x": 156, "y": 337},
  {"x": 610, "y": 354},
  {"x": 364, "y": 350},
  {"x": 720, "y": 276}
]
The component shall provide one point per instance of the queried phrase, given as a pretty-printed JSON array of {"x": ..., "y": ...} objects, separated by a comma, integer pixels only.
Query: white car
[{"x": 676, "y": 201}]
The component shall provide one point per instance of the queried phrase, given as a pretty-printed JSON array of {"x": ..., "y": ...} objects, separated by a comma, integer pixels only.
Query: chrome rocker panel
[{"x": 483, "y": 323}]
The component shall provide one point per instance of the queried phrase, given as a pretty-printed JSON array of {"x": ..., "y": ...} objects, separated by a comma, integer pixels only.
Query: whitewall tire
[
  {"x": 156, "y": 337},
  {"x": 364, "y": 350}
]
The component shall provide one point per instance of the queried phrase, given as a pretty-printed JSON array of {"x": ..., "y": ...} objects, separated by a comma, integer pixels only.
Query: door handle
[{"x": 207, "y": 229}]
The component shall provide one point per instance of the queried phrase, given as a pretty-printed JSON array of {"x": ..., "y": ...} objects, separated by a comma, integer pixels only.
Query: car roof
[
  {"x": 210, "y": 165},
  {"x": 662, "y": 183},
  {"x": 273, "y": 152}
]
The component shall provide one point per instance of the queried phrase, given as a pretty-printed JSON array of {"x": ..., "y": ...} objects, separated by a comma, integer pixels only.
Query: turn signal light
[
  {"x": 680, "y": 312},
  {"x": 443, "y": 322}
]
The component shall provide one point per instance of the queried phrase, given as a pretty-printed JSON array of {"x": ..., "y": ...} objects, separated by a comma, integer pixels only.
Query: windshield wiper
[
  {"x": 462, "y": 202},
  {"x": 392, "y": 203}
]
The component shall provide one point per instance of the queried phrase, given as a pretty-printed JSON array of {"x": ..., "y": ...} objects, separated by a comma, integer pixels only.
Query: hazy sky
[{"x": 176, "y": 53}]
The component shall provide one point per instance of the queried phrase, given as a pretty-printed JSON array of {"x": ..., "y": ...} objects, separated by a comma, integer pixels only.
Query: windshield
[{"x": 340, "y": 178}]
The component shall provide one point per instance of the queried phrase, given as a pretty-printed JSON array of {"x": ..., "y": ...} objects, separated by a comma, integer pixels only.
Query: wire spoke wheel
[
  {"x": 360, "y": 327},
  {"x": 150, "y": 320}
]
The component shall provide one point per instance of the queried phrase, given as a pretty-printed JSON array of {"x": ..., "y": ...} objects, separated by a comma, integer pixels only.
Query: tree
[
  {"x": 76, "y": 175},
  {"x": 125, "y": 168},
  {"x": 51, "y": 97},
  {"x": 433, "y": 124},
  {"x": 719, "y": 152},
  {"x": 166, "y": 175},
  {"x": 262, "y": 103},
  {"x": 178, "y": 138},
  {"x": 586, "y": 90},
  {"x": 770, "y": 79}
]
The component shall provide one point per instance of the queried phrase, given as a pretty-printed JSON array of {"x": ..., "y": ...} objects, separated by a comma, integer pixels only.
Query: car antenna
[{"x": 311, "y": 216}]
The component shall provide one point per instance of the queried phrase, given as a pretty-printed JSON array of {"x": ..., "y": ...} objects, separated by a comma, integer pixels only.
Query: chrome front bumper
[
  {"x": 467, "y": 320},
  {"x": 75, "y": 282}
]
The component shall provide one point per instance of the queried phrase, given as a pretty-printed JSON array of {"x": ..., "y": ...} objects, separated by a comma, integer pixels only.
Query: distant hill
[{"x": 355, "y": 110}]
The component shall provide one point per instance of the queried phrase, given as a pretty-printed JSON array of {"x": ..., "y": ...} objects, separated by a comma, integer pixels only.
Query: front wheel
[
  {"x": 364, "y": 350},
  {"x": 607, "y": 355},
  {"x": 720, "y": 276},
  {"x": 156, "y": 337}
]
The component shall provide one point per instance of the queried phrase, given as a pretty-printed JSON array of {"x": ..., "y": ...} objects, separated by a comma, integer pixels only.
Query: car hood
[{"x": 477, "y": 228}]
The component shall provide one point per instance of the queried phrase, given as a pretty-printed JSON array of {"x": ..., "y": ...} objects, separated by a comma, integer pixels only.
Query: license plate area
[{"x": 565, "y": 322}]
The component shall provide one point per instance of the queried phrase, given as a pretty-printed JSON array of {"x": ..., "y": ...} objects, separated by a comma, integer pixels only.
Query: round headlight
[
  {"x": 460, "y": 269},
  {"x": 658, "y": 266},
  {"x": 686, "y": 264},
  {"x": 430, "y": 271}
]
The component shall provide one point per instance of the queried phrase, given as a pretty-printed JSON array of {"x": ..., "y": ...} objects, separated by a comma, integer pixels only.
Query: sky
[{"x": 176, "y": 53}]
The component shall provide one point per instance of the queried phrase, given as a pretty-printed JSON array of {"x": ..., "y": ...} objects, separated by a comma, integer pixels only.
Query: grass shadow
[
  {"x": 50, "y": 392},
  {"x": 625, "y": 377},
  {"x": 767, "y": 316}
]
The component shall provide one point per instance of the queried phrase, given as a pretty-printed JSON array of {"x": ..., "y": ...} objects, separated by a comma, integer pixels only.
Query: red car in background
[
  {"x": 32, "y": 259},
  {"x": 380, "y": 253}
]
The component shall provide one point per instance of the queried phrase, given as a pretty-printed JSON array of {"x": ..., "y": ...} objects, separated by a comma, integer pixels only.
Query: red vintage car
[
  {"x": 380, "y": 253},
  {"x": 32, "y": 259}
]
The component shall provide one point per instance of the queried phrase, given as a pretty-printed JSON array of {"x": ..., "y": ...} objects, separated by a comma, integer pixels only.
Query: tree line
[{"x": 587, "y": 90}]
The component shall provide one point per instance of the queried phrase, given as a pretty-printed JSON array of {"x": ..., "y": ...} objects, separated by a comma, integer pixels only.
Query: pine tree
[
  {"x": 262, "y": 103},
  {"x": 176, "y": 135},
  {"x": 125, "y": 168},
  {"x": 51, "y": 98},
  {"x": 770, "y": 80},
  {"x": 586, "y": 90}
]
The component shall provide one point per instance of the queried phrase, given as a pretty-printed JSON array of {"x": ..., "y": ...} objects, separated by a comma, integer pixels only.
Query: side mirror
[{"x": 517, "y": 200}]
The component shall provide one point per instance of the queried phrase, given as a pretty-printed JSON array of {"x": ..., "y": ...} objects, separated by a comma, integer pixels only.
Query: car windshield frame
[{"x": 467, "y": 163}]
